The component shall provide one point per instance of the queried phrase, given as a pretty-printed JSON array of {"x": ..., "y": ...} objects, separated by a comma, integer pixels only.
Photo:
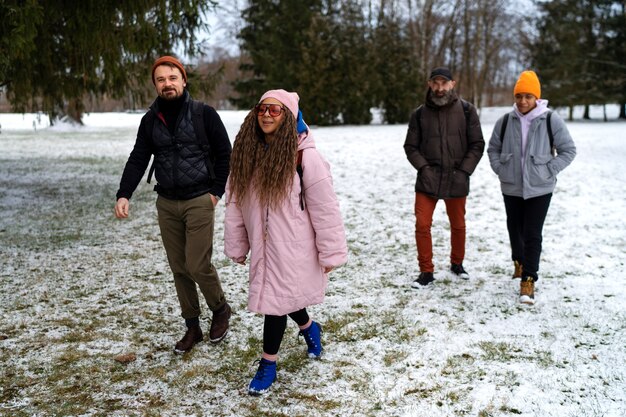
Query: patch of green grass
[
  {"x": 423, "y": 392},
  {"x": 394, "y": 356},
  {"x": 506, "y": 352},
  {"x": 497, "y": 270},
  {"x": 498, "y": 351}
]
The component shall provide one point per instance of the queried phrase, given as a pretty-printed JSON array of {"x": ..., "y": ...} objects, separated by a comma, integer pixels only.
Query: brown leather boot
[
  {"x": 219, "y": 324},
  {"x": 527, "y": 291},
  {"x": 191, "y": 337}
]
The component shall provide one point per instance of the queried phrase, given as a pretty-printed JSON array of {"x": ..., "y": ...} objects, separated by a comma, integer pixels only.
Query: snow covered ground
[{"x": 78, "y": 288}]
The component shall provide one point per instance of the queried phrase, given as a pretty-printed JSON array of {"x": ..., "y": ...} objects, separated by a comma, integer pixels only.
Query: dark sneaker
[
  {"x": 264, "y": 378},
  {"x": 459, "y": 271},
  {"x": 517, "y": 271},
  {"x": 527, "y": 291},
  {"x": 423, "y": 279},
  {"x": 313, "y": 337},
  {"x": 191, "y": 337},
  {"x": 220, "y": 323}
]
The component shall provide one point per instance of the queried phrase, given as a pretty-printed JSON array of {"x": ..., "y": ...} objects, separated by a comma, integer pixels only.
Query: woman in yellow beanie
[{"x": 529, "y": 146}]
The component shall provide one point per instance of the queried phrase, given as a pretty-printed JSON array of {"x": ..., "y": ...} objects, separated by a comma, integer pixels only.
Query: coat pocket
[
  {"x": 538, "y": 172},
  {"x": 459, "y": 185},
  {"x": 428, "y": 179},
  {"x": 506, "y": 172}
]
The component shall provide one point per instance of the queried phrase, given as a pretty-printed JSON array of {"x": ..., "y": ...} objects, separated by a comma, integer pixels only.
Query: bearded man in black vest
[{"x": 191, "y": 164}]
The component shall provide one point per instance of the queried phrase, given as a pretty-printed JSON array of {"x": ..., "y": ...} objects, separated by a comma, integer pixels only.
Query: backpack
[
  {"x": 197, "y": 117},
  {"x": 466, "y": 112},
  {"x": 550, "y": 135}
]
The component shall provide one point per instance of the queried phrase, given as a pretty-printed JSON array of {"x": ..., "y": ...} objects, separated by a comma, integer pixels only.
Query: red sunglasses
[{"x": 274, "y": 109}]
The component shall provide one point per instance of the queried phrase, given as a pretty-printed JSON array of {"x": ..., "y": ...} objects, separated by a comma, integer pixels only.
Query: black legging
[
  {"x": 274, "y": 329},
  {"x": 524, "y": 220}
]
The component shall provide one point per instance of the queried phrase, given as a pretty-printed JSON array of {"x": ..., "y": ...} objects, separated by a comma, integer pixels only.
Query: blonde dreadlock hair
[{"x": 269, "y": 168}]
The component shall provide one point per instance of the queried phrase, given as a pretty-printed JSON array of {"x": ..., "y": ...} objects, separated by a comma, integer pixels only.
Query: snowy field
[{"x": 78, "y": 288}]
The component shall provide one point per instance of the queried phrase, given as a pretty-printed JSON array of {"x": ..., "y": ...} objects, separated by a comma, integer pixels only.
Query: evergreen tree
[
  {"x": 355, "y": 63},
  {"x": 321, "y": 82},
  {"x": 399, "y": 83},
  {"x": 317, "y": 48},
  {"x": 53, "y": 53},
  {"x": 579, "y": 52},
  {"x": 614, "y": 51},
  {"x": 272, "y": 42}
]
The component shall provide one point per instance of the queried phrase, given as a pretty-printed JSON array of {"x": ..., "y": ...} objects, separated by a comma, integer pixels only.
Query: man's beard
[
  {"x": 441, "y": 101},
  {"x": 168, "y": 97}
]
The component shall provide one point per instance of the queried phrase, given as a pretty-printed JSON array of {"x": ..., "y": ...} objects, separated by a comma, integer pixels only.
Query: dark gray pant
[{"x": 187, "y": 233}]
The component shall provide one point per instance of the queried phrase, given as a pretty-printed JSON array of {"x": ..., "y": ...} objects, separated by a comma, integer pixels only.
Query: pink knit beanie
[{"x": 289, "y": 100}]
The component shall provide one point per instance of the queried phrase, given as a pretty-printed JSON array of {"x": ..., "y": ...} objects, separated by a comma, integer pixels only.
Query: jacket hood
[
  {"x": 542, "y": 107},
  {"x": 305, "y": 140}
]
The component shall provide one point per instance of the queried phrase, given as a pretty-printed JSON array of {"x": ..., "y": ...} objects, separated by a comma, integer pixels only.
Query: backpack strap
[
  {"x": 466, "y": 112},
  {"x": 149, "y": 125},
  {"x": 418, "y": 115},
  {"x": 549, "y": 125},
  {"x": 197, "y": 116},
  {"x": 300, "y": 172},
  {"x": 550, "y": 134},
  {"x": 503, "y": 127}
]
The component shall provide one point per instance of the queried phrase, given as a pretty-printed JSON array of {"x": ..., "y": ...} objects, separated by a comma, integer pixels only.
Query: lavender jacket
[{"x": 290, "y": 247}]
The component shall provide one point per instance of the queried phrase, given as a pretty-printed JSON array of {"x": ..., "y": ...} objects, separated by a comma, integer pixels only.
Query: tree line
[
  {"x": 55, "y": 55},
  {"x": 344, "y": 57}
]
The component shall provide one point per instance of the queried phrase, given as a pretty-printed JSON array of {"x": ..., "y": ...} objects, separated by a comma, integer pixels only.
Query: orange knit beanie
[
  {"x": 169, "y": 60},
  {"x": 528, "y": 83}
]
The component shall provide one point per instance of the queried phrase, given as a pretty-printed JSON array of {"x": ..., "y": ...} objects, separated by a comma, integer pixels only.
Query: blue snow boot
[
  {"x": 313, "y": 337},
  {"x": 264, "y": 378}
]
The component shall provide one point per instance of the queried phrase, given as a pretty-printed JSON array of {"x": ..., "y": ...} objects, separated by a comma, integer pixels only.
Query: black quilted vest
[{"x": 179, "y": 161}]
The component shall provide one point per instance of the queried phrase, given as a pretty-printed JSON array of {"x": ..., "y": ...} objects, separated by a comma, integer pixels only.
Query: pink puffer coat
[{"x": 290, "y": 247}]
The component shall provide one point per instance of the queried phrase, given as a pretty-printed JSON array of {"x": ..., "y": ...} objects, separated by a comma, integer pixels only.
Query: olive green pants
[{"x": 187, "y": 233}]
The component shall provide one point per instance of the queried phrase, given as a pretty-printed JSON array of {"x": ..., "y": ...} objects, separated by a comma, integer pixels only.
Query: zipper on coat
[
  {"x": 441, "y": 143},
  {"x": 177, "y": 145}
]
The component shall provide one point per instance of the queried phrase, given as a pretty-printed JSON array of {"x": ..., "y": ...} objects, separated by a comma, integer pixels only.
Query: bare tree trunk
[
  {"x": 586, "y": 113},
  {"x": 75, "y": 109},
  {"x": 622, "y": 110}
]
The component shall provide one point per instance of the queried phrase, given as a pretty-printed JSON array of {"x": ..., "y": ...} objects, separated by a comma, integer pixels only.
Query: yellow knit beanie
[{"x": 528, "y": 83}]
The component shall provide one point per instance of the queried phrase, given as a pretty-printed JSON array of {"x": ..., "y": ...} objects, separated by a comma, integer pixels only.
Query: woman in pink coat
[{"x": 281, "y": 207}]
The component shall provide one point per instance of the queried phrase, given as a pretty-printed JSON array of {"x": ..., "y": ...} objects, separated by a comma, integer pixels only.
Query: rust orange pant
[{"x": 424, "y": 208}]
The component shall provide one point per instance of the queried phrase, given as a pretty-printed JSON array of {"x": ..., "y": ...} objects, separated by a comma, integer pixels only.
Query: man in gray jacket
[
  {"x": 527, "y": 155},
  {"x": 444, "y": 143}
]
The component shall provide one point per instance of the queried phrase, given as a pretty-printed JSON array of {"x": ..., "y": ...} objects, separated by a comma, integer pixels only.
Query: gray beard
[{"x": 442, "y": 101}]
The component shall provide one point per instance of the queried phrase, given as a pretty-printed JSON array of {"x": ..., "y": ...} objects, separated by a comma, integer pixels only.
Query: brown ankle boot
[
  {"x": 219, "y": 324},
  {"x": 191, "y": 337},
  {"x": 527, "y": 291},
  {"x": 518, "y": 269}
]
